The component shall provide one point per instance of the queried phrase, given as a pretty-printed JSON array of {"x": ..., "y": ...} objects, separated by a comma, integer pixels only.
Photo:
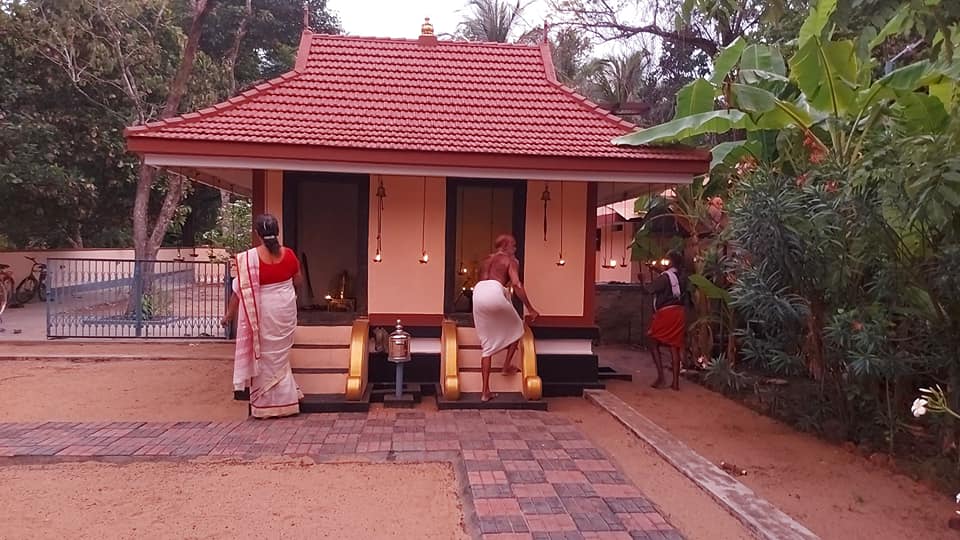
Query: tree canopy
[{"x": 75, "y": 74}]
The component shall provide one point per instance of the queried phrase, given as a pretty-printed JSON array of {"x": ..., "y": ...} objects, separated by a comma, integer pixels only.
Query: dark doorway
[
  {"x": 478, "y": 211},
  {"x": 326, "y": 223}
]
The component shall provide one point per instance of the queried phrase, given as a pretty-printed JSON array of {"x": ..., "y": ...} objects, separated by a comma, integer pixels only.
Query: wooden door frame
[
  {"x": 291, "y": 185},
  {"x": 519, "y": 188}
]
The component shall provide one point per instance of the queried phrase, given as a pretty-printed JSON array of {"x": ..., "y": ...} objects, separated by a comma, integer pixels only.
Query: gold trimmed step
[
  {"x": 322, "y": 335},
  {"x": 532, "y": 385},
  {"x": 468, "y": 361},
  {"x": 312, "y": 358},
  {"x": 449, "y": 361},
  {"x": 356, "y": 381}
]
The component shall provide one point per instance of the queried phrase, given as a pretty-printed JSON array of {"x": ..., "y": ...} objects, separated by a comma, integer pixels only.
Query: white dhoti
[{"x": 497, "y": 322}]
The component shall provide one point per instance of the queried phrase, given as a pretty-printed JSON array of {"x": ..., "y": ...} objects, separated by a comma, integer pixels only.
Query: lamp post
[{"x": 398, "y": 352}]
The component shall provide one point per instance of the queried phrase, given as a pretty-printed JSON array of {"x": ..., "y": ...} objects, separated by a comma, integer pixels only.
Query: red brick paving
[{"x": 529, "y": 474}]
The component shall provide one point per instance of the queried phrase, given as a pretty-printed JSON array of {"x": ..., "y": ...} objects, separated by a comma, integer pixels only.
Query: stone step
[
  {"x": 327, "y": 403},
  {"x": 322, "y": 335},
  {"x": 467, "y": 336},
  {"x": 470, "y": 358},
  {"x": 472, "y": 381},
  {"x": 504, "y": 400},
  {"x": 322, "y": 358},
  {"x": 321, "y": 383}
]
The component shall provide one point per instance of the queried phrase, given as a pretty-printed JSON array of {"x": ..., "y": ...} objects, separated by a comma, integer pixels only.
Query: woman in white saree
[{"x": 266, "y": 301}]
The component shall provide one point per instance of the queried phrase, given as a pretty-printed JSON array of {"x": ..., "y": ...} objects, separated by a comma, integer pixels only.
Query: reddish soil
[
  {"x": 118, "y": 390},
  {"x": 682, "y": 503},
  {"x": 280, "y": 498},
  {"x": 832, "y": 491}
]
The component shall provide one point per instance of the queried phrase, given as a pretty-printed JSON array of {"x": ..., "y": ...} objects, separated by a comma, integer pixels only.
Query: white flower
[{"x": 919, "y": 409}]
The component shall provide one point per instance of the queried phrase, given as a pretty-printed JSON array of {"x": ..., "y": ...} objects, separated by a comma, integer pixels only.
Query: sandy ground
[
  {"x": 684, "y": 505},
  {"x": 118, "y": 390},
  {"x": 214, "y": 500},
  {"x": 25, "y": 323},
  {"x": 835, "y": 493}
]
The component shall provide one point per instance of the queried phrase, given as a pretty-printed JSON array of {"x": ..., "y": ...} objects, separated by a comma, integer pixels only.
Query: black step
[
  {"x": 504, "y": 400},
  {"x": 379, "y": 391},
  {"x": 324, "y": 403},
  {"x": 606, "y": 373}
]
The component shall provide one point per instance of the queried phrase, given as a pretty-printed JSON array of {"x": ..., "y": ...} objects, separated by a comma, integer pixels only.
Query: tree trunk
[
  {"x": 201, "y": 8},
  {"x": 230, "y": 62},
  {"x": 225, "y": 224},
  {"x": 147, "y": 239}
]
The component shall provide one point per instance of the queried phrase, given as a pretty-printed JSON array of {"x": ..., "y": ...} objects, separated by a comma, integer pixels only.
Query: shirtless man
[{"x": 498, "y": 325}]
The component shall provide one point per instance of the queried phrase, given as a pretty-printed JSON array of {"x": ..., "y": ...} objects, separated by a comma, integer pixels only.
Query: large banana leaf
[
  {"x": 709, "y": 289},
  {"x": 921, "y": 113},
  {"x": 768, "y": 111},
  {"x": 729, "y": 153},
  {"x": 695, "y": 98},
  {"x": 946, "y": 92},
  {"x": 909, "y": 79},
  {"x": 763, "y": 58},
  {"x": 646, "y": 247},
  {"x": 687, "y": 127},
  {"x": 816, "y": 21},
  {"x": 826, "y": 72},
  {"x": 726, "y": 60},
  {"x": 894, "y": 26}
]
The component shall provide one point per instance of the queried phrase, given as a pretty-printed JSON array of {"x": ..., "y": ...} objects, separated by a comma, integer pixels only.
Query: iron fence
[{"x": 145, "y": 299}]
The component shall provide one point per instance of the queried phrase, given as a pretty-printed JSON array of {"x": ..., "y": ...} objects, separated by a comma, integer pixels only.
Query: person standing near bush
[{"x": 668, "y": 326}]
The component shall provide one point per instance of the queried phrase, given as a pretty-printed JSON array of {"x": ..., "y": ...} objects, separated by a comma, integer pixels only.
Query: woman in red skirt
[{"x": 669, "y": 316}]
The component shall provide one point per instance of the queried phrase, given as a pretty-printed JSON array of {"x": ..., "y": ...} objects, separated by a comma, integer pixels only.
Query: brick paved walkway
[{"x": 528, "y": 474}]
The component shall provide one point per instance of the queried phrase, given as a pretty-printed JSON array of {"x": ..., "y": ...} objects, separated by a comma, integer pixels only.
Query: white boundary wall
[{"x": 21, "y": 266}]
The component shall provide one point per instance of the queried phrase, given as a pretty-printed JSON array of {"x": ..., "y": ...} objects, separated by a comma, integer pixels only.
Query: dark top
[{"x": 662, "y": 291}]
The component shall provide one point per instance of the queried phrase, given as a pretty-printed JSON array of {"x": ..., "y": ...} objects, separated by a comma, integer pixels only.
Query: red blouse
[{"x": 280, "y": 271}]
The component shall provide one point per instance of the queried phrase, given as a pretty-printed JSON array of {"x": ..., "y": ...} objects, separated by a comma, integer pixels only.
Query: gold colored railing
[
  {"x": 449, "y": 370},
  {"x": 532, "y": 386},
  {"x": 357, "y": 375}
]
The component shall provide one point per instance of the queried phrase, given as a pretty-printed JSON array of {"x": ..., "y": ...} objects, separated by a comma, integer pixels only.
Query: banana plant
[{"x": 825, "y": 91}]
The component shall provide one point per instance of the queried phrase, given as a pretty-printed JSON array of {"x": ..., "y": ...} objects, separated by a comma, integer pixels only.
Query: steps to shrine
[
  {"x": 516, "y": 390},
  {"x": 321, "y": 364}
]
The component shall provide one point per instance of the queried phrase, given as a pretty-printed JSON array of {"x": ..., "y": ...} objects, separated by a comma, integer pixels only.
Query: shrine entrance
[{"x": 326, "y": 224}]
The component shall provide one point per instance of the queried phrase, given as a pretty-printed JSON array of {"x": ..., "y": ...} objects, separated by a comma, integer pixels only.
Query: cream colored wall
[
  {"x": 400, "y": 284},
  {"x": 274, "y": 197},
  {"x": 556, "y": 290},
  {"x": 617, "y": 239}
]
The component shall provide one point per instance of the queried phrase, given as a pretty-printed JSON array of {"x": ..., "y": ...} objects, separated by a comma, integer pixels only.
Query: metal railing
[{"x": 103, "y": 298}]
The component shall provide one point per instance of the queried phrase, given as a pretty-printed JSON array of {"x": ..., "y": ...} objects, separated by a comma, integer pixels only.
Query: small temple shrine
[{"x": 392, "y": 165}]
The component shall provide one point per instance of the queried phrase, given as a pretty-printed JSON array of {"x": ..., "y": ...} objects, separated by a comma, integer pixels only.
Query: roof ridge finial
[
  {"x": 546, "y": 31},
  {"x": 306, "y": 17},
  {"x": 426, "y": 29},
  {"x": 427, "y": 38}
]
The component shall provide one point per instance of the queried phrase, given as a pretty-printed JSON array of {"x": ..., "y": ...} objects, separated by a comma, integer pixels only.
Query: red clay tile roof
[{"x": 395, "y": 94}]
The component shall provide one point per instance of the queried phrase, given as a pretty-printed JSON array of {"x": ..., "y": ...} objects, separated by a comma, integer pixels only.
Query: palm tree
[
  {"x": 615, "y": 81},
  {"x": 490, "y": 20}
]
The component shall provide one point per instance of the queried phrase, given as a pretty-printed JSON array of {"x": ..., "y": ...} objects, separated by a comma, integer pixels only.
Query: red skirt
[{"x": 668, "y": 326}]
